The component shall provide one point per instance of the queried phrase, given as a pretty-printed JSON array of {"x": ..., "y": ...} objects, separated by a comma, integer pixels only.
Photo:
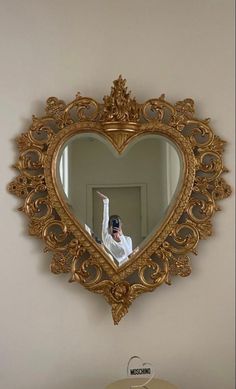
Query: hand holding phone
[{"x": 115, "y": 225}]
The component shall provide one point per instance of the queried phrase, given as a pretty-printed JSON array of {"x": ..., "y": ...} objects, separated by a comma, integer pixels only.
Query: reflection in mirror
[{"x": 138, "y": 187}]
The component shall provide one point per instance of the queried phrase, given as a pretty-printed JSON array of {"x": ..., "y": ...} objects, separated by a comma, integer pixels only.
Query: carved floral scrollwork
[{"x": 120, "y": 119}]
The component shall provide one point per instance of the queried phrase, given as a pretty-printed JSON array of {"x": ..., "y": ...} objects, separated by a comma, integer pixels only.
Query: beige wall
[{"x": 57, "y": 335}]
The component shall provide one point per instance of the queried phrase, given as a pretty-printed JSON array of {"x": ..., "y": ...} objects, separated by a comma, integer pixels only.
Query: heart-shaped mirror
[
  {"x": 140, "y": 184},
  {"x": 120, "y": 192}
]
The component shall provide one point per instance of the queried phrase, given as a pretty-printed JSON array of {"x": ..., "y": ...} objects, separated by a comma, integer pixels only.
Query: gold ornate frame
[{"x": 120, "y": 119}]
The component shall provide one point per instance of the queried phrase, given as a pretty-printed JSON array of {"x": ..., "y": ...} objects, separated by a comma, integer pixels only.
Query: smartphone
[{"x": 115, "y": 225}]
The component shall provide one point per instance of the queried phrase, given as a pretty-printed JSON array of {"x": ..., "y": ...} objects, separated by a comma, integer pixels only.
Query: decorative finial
[{"x": 119, "y": 106}]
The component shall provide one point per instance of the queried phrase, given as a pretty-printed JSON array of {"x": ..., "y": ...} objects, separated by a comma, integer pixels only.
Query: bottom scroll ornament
[{"x": 119, "y": 294}]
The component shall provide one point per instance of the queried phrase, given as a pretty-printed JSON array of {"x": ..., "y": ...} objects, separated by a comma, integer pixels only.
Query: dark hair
[{"x": 113, "y": 217}]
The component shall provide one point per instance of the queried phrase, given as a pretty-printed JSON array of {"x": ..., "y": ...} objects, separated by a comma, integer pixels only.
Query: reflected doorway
[{"x": 129, "y": 202}]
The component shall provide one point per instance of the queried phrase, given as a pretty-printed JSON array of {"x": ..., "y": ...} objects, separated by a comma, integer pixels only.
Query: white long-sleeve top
[{"x": 119, "y": 250}]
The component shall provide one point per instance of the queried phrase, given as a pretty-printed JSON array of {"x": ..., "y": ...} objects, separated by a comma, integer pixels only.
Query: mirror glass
[{"x": 141, "y": 185}]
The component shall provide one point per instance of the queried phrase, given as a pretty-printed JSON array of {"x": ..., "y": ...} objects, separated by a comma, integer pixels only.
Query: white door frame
[{"x": 143, "y": 199}]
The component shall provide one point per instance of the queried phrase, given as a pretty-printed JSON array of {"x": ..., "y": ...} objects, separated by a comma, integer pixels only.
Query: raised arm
[{"x": 105, "y": 220}]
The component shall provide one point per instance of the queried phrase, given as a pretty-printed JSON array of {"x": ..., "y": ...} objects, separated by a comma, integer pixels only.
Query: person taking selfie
[{"x": 117, "y": 244}]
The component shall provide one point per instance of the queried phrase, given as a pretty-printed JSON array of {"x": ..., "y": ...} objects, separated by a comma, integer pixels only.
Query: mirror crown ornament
[
  {"x": 119, "y": 106},
  {"x": 120, "y": 120}
]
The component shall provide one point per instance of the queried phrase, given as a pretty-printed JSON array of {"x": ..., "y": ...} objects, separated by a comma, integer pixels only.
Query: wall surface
[{"x": 56, "y": 335}]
